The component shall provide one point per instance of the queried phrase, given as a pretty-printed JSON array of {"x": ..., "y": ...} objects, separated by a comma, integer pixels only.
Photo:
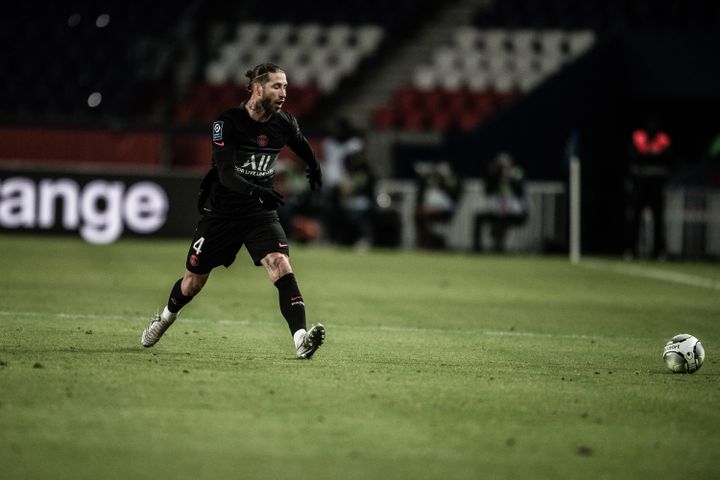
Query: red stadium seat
[
  {"x": 406, "y": 99},
  {"x": 443, "y": 120},
  {"x": 468, "y": 120},
  {"x": 414, "y": 121},
  {"x": 459, "y": 101},
  {"x": 384, "y": 118},
  {"x": 433, "y": 100}
]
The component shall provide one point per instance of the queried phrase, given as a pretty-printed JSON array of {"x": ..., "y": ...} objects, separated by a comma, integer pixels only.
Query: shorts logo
[
  {"x": 262, "y": 140},
  {"x": 217, "y": 131},
  {"x": 194, "y": 260}
]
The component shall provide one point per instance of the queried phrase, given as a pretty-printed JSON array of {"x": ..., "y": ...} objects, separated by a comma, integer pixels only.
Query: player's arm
[
  {"x": 300, "y": 145},
  {"x": 224, "y": 154}
]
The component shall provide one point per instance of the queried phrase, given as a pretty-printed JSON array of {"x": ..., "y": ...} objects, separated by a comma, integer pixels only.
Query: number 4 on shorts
[{"x": 197, "y": 246}]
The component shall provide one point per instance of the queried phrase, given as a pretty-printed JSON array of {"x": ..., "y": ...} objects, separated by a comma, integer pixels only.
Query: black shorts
[{"x": 218, "y": 240}]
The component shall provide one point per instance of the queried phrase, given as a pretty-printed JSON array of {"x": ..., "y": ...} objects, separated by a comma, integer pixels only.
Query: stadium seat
[
  {"x": 308, "y": 35},
  {"x": 413, "y": 121},
  {"x": 384, "y": 118},
  {"x": 424, "y": 77},
  {"x": 466, "y": 38},
  {"x": 368, "y": 38}
]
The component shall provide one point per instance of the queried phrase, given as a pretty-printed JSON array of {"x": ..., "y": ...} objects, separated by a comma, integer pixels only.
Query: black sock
[
  {"x": 177, "y": 300},
  {"x": 291, "y": 302}
]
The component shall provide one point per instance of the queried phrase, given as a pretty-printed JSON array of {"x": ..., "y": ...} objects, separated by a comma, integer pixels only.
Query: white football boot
[
  {"x": 155, "y": 330},
  {"x": 311, "y": 341}
]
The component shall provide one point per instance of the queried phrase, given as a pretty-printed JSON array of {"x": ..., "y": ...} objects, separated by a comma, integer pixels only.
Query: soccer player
[{"x": 238, "y": 205}]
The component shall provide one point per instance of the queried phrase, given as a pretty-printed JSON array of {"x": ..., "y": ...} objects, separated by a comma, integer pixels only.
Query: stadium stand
[
  {"x": 465, "y": 81},
  {"x": 129, "y": 53},
  {"x": 510, "y": 47},
  {"x": 316, "y": 58},
  {"x": 171, "y": 68},
  {"x": 165, "y": 66},
  {"x": 321, "y": 45}
]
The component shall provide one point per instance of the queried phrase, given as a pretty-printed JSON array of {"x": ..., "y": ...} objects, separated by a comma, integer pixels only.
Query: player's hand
[
  {"x": 314, "y": 175},
  {"x": 269, "y": 199}
]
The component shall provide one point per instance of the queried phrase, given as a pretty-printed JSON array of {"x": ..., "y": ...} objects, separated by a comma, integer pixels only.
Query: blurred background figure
[
  {"x": 438, "y": 192},
  {"x": 345, "y": 145},
  {"x": 648, "y": 171},
  {"x": 354, "y": 224},
  {"x": 506, "y": 202},
  {"x": 343, "y": 141}
]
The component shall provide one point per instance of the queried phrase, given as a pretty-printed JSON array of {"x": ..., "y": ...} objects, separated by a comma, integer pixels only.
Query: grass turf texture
[{"x": 436, "y": 366}]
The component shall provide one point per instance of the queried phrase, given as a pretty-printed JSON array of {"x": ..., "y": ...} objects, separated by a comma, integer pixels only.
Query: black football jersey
[{"x": 247, "y": 150}]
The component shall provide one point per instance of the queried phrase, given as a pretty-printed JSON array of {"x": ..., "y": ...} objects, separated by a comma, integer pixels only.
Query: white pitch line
[
  {"x": 241, "y": 322},
  {"x": 61, "y": 315},
  {"x": 655, "y": 274},
  {"x": 103, "y": 316},
  {"x": 492, "y": 333}
]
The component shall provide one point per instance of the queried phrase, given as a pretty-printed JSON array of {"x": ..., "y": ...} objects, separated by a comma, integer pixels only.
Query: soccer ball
[{"x": 684, "y": 354}]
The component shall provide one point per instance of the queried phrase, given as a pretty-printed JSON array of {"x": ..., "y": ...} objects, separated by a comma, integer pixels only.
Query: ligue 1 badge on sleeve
[{"x": 217, "y": 131}]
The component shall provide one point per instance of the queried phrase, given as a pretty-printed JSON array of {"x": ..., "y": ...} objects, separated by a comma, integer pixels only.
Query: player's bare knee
[{"x": 277, "y": 265}]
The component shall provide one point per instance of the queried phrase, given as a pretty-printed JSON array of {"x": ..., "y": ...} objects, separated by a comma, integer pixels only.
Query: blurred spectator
[
  {"x": 356, "y": 203},
  {"x": 648, "y": 171},
  {"x": 347, "y": 178},
  {"x": 438, "y": 193},
  {"x": 343, "y": 141},
  {"x": 506, "y": 202}
]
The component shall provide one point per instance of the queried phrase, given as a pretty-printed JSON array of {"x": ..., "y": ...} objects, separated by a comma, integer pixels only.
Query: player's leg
[
  {"x": 181, "y": 294},
  {"x": 214, "y": 244},
  {"x": 268, "y": 246},
  {"x": 292, "y": 305}
]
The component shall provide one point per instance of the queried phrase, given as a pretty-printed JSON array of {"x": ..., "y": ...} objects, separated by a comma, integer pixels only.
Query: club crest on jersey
[
  {"x": 217, "y": 131},
  {"x": 262, "y": 140},
  {"x": 194, "y": 260}
]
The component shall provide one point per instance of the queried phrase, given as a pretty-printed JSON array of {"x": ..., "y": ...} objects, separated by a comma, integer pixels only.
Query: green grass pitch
[{"x": 436, "y": 366}]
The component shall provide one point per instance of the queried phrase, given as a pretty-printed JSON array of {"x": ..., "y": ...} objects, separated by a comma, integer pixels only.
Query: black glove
[
  {"x": 314, "y": 175},
  {"x": 269, "y": 199}
]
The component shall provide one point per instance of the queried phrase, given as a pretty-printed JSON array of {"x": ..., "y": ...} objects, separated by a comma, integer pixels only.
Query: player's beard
[{"x": 268, "y": 105}]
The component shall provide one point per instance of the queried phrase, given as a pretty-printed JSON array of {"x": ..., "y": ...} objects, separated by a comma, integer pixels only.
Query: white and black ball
[{"x": 684, "y": 354}]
